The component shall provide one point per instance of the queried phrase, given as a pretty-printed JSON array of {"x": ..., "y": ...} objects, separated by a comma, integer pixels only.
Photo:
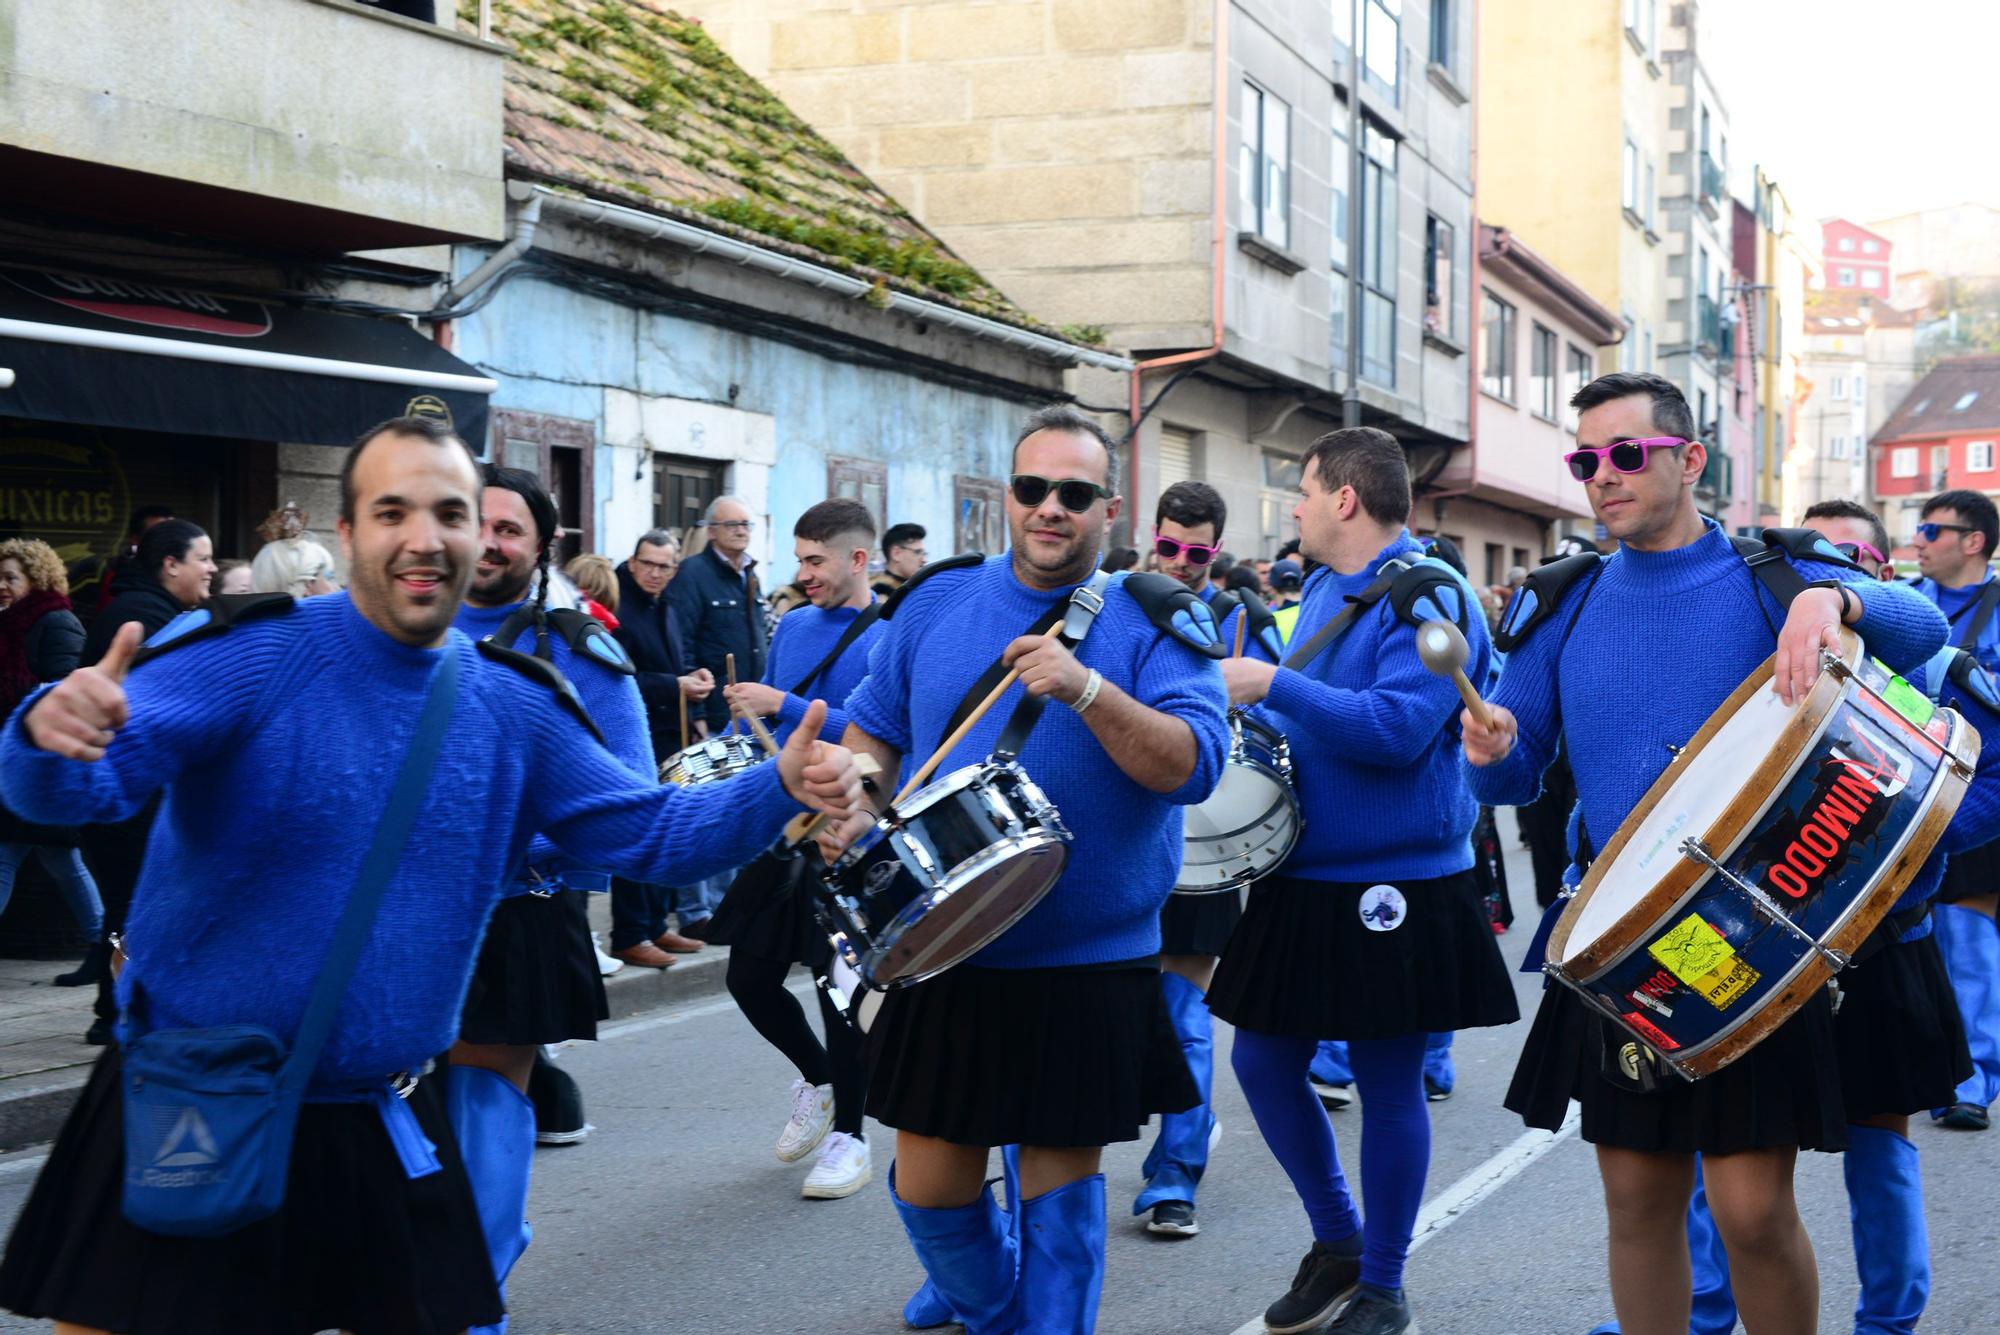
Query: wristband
[
  {"x": 1091, "y": 686},
  {"x": 1840, "y": 587}
]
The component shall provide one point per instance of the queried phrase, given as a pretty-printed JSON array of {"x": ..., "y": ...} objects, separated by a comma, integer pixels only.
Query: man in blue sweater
[
  {"x": 1955, "y": 542},
  {"x": 1633, "y": 662},
  {"x": 1053, "y": 1037},
  {"x": 819, "y": 652},
  {"x": 377, "y": 1233},
  {"x": 1373, "y": 930}
]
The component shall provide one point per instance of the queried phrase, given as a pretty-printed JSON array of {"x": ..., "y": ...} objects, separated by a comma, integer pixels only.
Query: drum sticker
[
  {"x": 1655, "y": 1035},
  {"x": 1383, "y": 908},
  {"x": 1699, "y": 956},
  {"x": 1843, "y": 809}
]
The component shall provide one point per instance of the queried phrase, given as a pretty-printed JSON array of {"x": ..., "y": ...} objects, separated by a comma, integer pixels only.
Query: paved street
[{"x": 675, "y": 1217}]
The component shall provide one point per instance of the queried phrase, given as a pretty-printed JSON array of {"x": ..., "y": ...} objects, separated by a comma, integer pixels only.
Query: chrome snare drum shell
[
  {"x": 712, "y": 760},
  {"x": 1249, "y": 825}
]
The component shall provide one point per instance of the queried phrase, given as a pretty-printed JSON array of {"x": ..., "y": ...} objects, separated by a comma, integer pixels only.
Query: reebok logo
[{"x": 188, "y": 1144}]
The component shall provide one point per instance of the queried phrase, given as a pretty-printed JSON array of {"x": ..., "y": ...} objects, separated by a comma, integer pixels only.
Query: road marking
[
  {"x": 646, "y": 1023},
  {"x": 18, "y": 1167},
  {"x": 1458, "y": 1200}
]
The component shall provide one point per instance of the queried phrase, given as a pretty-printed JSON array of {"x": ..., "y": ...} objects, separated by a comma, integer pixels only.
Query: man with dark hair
[
  {"x": 1665, "y": 618},
  {"x": 1856, "y": 530},
  {"x": 239, "y": 898},
  {"x": 1218, "y": 573},
  {"x": 903, "y": 555},
  {"x": 1187, "y": 534},
  {"x": 1955, "y": 542},
  {"x": 819, "y": 652},
  {"x": 1377, "y": 901}
]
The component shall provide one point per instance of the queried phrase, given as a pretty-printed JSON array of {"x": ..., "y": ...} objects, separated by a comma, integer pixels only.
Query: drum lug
[
  {"x": 1696, "y": 851},
  {"x": 1677, "y": 751}
]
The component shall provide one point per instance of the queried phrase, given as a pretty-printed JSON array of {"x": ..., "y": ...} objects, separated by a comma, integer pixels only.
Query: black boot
[{"x": 95, "y": 961}]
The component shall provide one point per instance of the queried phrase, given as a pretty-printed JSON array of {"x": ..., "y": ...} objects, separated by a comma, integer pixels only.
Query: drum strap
[
  {"x": 1079, "y": 614},
  {"x": 1982, "y": 612},
  {"x": 1357, "y": 603},
  {"x": 868, "y": 617}
]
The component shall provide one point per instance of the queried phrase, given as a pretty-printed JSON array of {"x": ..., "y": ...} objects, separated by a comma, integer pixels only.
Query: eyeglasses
[
  {"x": 738, "y": 525},
  {"x": 1627, "y": 456},
  {"x": 1192, "y": 552},
  {"x": 1854, "y": 551},
  {"x": 656, "y": 567},
  {"x": 1929, "y": 532},
  {"x": 1074, "y": 494}
]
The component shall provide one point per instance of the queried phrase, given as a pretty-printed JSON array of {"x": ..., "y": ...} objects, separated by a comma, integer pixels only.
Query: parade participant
[
  {"x": 1287, "y": 580},
  {"x": 376, "y": 1232},
  {"x": 536, "y": 980},
  {"x": 1054, "y": 1037},
  {"x": 1187, "y": 530},
  {"x": 820, "y": 652},
  {"x": 1955, "y": 542},
  {"x": 1706, "y": 620},
  {"x": 902, "y": 556},
  {"x": 1372, "y": 930}
]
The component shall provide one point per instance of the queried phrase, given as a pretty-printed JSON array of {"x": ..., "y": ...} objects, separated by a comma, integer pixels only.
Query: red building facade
[
  {"x": 1944, "y": 435},
  {"x": 1854, "y": 257}
]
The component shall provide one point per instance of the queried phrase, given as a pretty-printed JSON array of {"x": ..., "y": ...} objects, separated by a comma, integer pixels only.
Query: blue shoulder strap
[{"x": 358, "y": 918}]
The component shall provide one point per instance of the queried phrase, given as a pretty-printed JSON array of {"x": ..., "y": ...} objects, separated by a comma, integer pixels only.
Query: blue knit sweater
[
  {"x": 805, "y": 636},
  {"x": 1659, "y": 643},
  {"x": 1957, "y": 606},
  {"x": 1374, "y": 738},
  {"x": 276, "y": 744},
  {"x": 1127, "y": 849}
]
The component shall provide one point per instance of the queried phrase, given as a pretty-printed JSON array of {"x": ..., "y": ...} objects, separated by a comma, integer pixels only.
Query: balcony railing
[
  {"x": 1713, "y": 183},
  {"x": 1708, "y": 322}
]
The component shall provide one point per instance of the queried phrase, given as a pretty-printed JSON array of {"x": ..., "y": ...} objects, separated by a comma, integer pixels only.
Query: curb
[{"x": 33, "y": 1106}]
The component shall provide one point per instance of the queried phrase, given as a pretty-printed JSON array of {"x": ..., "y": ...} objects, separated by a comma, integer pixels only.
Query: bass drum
[{"x": 1249, "y": 824}]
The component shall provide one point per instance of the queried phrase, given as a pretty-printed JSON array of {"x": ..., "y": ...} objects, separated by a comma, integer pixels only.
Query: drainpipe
[
  {"x": 1216, "y": 246},
  {"x": 525, "y": 223},
  {"x": 1472, "y": 300}
]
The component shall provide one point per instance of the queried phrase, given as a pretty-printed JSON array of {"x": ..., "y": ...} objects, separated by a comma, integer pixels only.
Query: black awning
[{"x": 116, "y": 352}]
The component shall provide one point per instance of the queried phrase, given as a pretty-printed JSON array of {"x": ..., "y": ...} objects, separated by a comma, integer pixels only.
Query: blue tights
[{"x": 1395, "y": 1139}]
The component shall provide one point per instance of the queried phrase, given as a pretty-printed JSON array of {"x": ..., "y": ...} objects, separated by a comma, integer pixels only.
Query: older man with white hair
[{"x": 714, "y": 601}]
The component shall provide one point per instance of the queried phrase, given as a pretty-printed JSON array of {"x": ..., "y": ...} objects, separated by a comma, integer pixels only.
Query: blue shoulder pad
[
  {"x": 542, "y": 673},
  {"x": 959, "y": 562},
  {"x": 1430, "y": 590},
  {"x": 1805, "y": 544},
  {"x": 1537, "y": 600},
  {"x": 1177, "y": 610},
  {"x": 212, "y": 618},
  {"x": 587, "y": 638},
  {"x": 1965, "y": 673}
]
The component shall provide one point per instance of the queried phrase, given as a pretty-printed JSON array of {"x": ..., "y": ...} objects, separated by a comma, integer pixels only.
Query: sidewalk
[{"x": 44, "y": 1060}]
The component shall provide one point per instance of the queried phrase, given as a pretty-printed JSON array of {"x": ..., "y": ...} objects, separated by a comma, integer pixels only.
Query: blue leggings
[{"x": 1395, "y": 1139}]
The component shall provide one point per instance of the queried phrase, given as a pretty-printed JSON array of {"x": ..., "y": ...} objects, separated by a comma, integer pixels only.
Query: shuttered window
[{"x": 1176, "y": 456}]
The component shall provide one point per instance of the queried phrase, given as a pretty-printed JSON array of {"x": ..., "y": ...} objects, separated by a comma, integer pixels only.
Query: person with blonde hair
[{"x": 596, "y": 579}]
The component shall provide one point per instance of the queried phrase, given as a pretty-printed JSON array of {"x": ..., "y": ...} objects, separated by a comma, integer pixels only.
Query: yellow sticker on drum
[{"x": 1699, "y": 956}]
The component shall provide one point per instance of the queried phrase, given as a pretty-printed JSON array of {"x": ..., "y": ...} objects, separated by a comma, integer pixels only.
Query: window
[
  {"x": 1648, "y": 197},
  {"x": 1440, "y": 255},
  {"x": 1496, "y": 335},
  {"x": 1442, "y": 32},
  {"x": 1265, "y": 166},
  {"x": 1965, "y": 401},
  {"x": 562, "y": 452},
  {"x": 864, "y": 480},
  {"x": 1870, "y": 246},
  {"x": 1496, "y": 563},
  {"x": 1846, "y": 278},
  {"x": 1846, "y": 245},
  {"x": 1871, "y": 278},
  {"x": 1836, "y": 447},
  {"x": 1701, "y": 414},
  {"x": 1377, "y": 259},
  {"x": 1839, "y": 387},
  {"x": 1280, "y": 495},
  {"x": 979, "y": 515},
  {"x": 1645, "y": 346},
  {"x": 1628, "y": 347},
  {"x": 1338, "y": 174},
  {"x": 1630, "y": 179},
  {"x": 1979, "y": 456},
  {"x": 1542, "y": 372},
  {"x": 1860, "y": 390},
  {"x": 1575, "y": 378},
  {"x": 682, "y": 489},
  {"x": 1903, "y": 462},
  {"x": 1381, "y": 42},
  {"x": 1940, "y": 465},
  {"x": 1343, "y": 22}
]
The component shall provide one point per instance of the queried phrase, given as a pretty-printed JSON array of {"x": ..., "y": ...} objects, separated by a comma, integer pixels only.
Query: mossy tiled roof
[{"x": 628, "y": 101}]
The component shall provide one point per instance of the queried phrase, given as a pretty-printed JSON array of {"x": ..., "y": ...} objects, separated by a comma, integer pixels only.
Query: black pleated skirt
[
  {"x": 767, "y": 911},
  {"x": 1900, "y": 1037},
  {"x": 1785, "y": 1092},
  {"x": 1304, "y": 961},
  {"x": 1049, "y": 1057},
  {"x": 537, "y": 979},
  {"x": 1199, "y": 924},
  {"x": 358, "y": 1246}
]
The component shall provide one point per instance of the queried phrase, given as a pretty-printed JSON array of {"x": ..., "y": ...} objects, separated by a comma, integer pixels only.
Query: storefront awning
[{"x": 114, "y": 352}]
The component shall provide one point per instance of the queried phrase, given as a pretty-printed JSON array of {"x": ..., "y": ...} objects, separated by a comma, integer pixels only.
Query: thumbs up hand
[
  {"x": 819, "y": 774},
  {"x": 79, "y": 718}
]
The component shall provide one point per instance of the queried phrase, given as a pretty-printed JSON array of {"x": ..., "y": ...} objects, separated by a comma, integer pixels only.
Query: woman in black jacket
[{"x": 40, "y": 641}]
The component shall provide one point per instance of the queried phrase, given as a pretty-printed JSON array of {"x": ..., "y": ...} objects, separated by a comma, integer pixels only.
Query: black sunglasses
[
  {"x": 1929, "y": 531},
  {"x": 1074, "y": 494}
]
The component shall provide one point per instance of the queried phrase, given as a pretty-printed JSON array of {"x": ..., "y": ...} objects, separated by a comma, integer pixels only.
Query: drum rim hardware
[
  {"x": 1242, "y": 720},
  {"x": 1764, "y": 904}
]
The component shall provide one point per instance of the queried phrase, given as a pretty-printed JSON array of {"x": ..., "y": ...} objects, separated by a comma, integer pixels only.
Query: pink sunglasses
[{"x": 1627, "y": 456}]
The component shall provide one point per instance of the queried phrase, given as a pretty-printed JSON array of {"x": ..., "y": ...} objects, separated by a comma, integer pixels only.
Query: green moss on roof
[{"x": 628, "y": 100}]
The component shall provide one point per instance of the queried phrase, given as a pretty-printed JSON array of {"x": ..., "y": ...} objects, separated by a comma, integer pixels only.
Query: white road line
[
  {"x": 1458, "y": 1200},
  {"x": 18, "y": 1167}
]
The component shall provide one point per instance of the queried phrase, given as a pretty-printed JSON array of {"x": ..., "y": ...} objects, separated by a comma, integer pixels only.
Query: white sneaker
[
  {"x": 812, "y": 1118},
  {"x": 842, "y": 1170},
  {"x": 1334, "y": 1097},
  {"x": 606, "y": 964}
]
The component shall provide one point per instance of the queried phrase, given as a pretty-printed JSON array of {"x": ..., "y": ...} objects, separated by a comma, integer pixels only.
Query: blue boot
[
  {"x": 1885, "y": 1201},
  {"x": 1062, "y": 1259},
  {"x": 1180, "y": 1153},
  {"x": 971, "y": 1259},
  {"x": 1440, "y": 1076},
  {"x": 1970, "y": 944},
  {"x": 1714, "y": 1310},
  {"x": 495, "y": 1126}
]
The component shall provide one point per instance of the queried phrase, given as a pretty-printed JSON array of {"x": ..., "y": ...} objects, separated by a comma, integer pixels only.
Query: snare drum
[
  {"x": 1761, "y": 859},
  {"x": 717, "y": 758},
  {"x": 1248, "y": 825},
  {"x": 855, "y": 1000},
  {"x": 943, "y": 874}
]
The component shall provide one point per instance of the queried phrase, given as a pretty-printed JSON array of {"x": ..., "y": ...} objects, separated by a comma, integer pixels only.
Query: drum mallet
[{"x": 1442, "y": 647}]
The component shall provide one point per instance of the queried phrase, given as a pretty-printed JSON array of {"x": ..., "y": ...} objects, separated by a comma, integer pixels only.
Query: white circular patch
[{"x": 1383, "y": 908}]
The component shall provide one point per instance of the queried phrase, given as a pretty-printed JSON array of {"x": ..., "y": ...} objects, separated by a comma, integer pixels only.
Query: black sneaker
[
  {"x": 99, "y": 1034},
  {"x": 1374, "y": 1313},
  {"x": 1434, "y": 1092},
  {"x": 1966, "y": 1117},
  {"x": 1324, "y": 1279},
  {"x": 1175, "y": 1219}
]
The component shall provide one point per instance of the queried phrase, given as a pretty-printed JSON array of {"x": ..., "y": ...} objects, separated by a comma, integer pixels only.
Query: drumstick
[
  {"x": 682, "y": 695},
  {"x": 1242, "y": 622},
  {"x": 806, "y": 826},
  {"x": 729, "y": 667},
  {"x": 757, "y": 730},
  {"x": 1441, "y": 645},
  {"x": 944, "y": 747}
]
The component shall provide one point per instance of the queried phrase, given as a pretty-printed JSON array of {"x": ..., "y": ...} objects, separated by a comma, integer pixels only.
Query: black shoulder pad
[
  {"x": 212, "y": 618},
  {"x": 1263, "y": 623},
  {"x": 959, "y": 562},
  {"x": 587, "y": 638},
  {"x": 1537, "y": 600},
  {"x": 1971, "y": 679},
  {"x": 1428, "y": 590},
  {"x": 1177, "y": 610},
  {"x": 542, "y": 674},
  {"x": 1804, "y": 544}
]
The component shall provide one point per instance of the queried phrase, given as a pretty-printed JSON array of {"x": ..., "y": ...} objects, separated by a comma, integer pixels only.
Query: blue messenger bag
[{"x": 209, "y": 1113}]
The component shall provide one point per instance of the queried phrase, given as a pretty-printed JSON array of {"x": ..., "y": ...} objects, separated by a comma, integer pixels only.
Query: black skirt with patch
[
  {"x": 1783, "y": 1093},
  {"x": 1350, "y": 959},
  {"x": 536, "y": 980},
  {"x": 1199, "y": 924},
  {"x": 1050, "y": 1057},
  {"x": 767, "y": 911},
  {"x": 359, "y": 1246},
  {"x": 1899, "y": 1033}
]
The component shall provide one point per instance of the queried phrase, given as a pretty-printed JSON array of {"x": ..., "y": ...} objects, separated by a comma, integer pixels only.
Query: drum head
[
  {"x": 985, "y": 898},
  {"x": 1245, "y": 828}
]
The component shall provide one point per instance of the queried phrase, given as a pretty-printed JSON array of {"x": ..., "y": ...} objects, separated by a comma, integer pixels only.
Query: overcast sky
[{"x": 1860, "y": 108}]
